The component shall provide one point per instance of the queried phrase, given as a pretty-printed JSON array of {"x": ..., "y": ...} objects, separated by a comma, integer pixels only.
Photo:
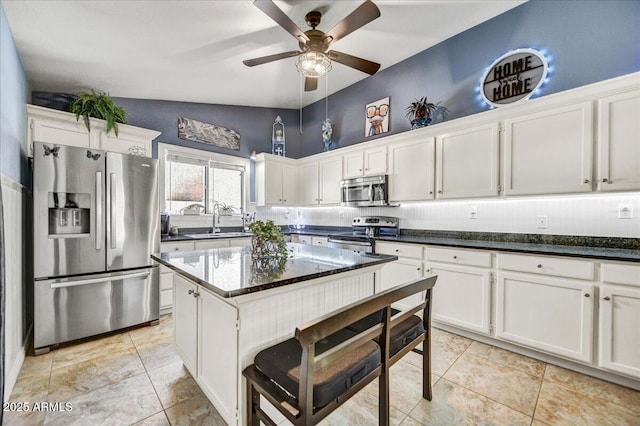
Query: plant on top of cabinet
[{"x": 98, "y": 104}]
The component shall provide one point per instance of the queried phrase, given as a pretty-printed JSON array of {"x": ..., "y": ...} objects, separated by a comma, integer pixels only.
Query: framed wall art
[
  {"x": 210, "y": 134},
  {"x": 376, "y": 121}
]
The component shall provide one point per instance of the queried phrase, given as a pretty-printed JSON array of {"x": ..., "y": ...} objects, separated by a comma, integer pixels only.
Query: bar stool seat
[
  {"x": 401, "y": 335},
  {"x": 281, "y": 364}
]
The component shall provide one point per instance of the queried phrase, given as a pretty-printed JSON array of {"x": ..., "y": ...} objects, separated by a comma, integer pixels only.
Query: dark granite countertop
[
  {"x": 607, "y": 248},
  {"x": 230, "y": 272}
]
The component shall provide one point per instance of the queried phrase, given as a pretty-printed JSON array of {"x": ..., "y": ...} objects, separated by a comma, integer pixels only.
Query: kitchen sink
[{"x": 219, "y": 235}]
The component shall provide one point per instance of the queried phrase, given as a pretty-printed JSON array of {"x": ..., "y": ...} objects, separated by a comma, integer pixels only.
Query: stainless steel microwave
[{"x": 365, "y": 191}]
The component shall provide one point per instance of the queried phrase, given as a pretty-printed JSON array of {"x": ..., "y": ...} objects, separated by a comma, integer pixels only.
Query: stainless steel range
[{"x": 365, "y": 230}]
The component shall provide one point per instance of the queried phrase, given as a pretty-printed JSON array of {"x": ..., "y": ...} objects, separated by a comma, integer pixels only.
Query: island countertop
[{"x": 231, "y": 272}]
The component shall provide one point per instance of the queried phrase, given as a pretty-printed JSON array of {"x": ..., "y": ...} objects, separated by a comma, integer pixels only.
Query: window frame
[{"x": 165, "y": 149}]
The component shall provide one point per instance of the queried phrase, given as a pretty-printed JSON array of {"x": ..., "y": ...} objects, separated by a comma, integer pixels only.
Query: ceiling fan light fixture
[{"x": 313, "y": 64}]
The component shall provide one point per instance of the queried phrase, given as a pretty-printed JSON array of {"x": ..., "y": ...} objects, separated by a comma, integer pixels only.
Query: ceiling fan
[{"x": 314, "y": 57}]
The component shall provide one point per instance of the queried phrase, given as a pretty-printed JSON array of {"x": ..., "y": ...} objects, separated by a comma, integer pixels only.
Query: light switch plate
[
  {"x": 542, "y": 222},
  {"x": 473, "y": 212}
]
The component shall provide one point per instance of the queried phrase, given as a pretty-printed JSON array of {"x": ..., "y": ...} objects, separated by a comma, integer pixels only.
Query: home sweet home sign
[{"x": 513, "y": 77}]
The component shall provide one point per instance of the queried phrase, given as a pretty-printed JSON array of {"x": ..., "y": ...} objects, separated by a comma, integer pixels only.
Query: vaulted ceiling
[{"x": 192, "y": 51}]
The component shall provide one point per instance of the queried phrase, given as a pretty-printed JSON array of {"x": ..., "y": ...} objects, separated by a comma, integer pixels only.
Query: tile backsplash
[{"x": 595, "y": 215}]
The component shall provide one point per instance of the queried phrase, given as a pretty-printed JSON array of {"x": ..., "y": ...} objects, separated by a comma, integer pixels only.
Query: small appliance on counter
[
  {"x": 368, "y": 191},
  {"x": 96, "y": 223},
  {"x": 365, "y": 230}
]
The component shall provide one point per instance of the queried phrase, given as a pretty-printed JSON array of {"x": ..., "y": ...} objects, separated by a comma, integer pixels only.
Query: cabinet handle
[
  {"x": 586, "y": 181},
  {"x": 587, "y": 295},
  {"x": 285, "y": 201},
  {"x": 397, "y": 250},
  {"x": 359, "y": 170},
  {"x": 605, "y": 180},
  {"x": 418, "y": 269},
  {"x": 176, "y": 248},
  {"x": 430, "y": 192},
  {"x": 439, "y": 191},
  {"x": 190, "y": 292},
  {"x": 279, "y": 199},
  {"x": 428, "y": 270},
  {"x": 607, "y": 298},
  {"x": 455, "y": 257},
  {"x": 539, "y": 266},
  {"x": 196, "y": 294}
]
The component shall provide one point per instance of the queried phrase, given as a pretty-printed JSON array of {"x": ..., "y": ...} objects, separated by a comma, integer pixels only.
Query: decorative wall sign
[
  {"x": 198, "y": 131},
  {"x": 376, "y": 121},
  {"x": 513, "y": 77}
]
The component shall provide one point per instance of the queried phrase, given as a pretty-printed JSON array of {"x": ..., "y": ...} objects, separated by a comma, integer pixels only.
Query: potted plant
[
  {"x": 226, "y": 209},
  {"x": 98, "y": 104},
  {"x": 419, "y": 112},
  {"x": 267, "y": 241}
]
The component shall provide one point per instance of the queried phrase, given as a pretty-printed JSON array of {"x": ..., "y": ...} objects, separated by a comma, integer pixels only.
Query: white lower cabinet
[
  {"x": 462, "y": 296},
  {"x": 185, "y": 321},
  {"x": 555, "y": 315},
  {"x": 399, "y": 272},
  {"x": 217, "y": 367}
]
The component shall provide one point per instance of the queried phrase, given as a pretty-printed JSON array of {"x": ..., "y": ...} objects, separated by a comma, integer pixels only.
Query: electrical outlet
[
  {"x": 341, "y": 214},
  {"x": 625, "y": 211},
  {"x": 473, "y": 212},
  {"x": 542, "y": 222}
]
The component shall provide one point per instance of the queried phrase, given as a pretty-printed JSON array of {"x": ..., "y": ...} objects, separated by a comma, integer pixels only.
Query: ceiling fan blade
[
  {"x": 270, "y": 58},
  {"x": 360, "y": 17},
  {"x": 354, "y": 62},
  {"x": 275, "y": 13},
  {"x": 310, "y": 84}
]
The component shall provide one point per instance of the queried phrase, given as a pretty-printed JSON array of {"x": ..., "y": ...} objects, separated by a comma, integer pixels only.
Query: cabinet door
[
  {"x": 375, "y": 161},
  {"x": 64, "y": 132},
  {"x": 467, "y": 163},
  {"x": 619, "y": 142},
  {"x": 218, "y": 353},
  {"x": 353, "y": 165},
  {"x": 185, "y": 321},
  {"x": 125, "y": 143},
  {"x": 166, "y": 290},
  {"x": 462, "y": 296},
  {"x": 400, "y": 272},
  {"x": 411, "y": 174},
  {"x": 289, "y": 181},
  {"x": 308, "y": 184},
  {"x": 549, "y": 152},
  {"x": 619, "y": 332},
  {"x": 272, "y": 182},
  {"x": 330, "y": 175},
  {"x": 551, "y": 314}
]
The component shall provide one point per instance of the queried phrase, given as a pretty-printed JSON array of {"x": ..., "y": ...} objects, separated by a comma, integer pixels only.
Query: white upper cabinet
[
  {"x": 549, "y": 152},
  {"x": 330, "y": 175},
  {"x": 619, "y": 142},
  {"x": 467, "y": 163},
  {"x": 411, "y": 174},
  {"x": 369, "y": 162},
  {"x": 308, "y": 184},
  {"x": 276, "y": 181},
  {"x": 59, "y": 127}
]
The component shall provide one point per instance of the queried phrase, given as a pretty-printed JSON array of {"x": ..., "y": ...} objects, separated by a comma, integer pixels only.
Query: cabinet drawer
[
  {"x": 304, "y": 239},
  {"x": 177, "y": 246},
  {"x": 459, "y": 257},
  {"x": 560, "y": 267},
  {"x": 320, "y": 241},
  {"x": 621, "y": 274},
  {"x": 209, "y": 244},
  {"x": 401, "y": 250}
]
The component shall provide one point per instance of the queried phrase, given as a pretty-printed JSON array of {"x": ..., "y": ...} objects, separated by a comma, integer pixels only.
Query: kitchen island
[{"x": 227, "y": 307}]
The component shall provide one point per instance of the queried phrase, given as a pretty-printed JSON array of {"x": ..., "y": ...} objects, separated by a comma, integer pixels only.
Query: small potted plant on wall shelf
[{"x": 98, "y": 104}]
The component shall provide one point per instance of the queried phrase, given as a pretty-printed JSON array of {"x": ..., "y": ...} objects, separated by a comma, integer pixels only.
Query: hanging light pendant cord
[
  {"x": 301, "y": 89},
  {"x": 326, "y": 96}
]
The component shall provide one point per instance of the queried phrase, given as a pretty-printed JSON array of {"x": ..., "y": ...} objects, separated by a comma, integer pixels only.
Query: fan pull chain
[{"x": 326, "y": 96}]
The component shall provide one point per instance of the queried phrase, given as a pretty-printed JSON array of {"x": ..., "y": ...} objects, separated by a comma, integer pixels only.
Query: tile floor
[{"x": 137, "y": 378}]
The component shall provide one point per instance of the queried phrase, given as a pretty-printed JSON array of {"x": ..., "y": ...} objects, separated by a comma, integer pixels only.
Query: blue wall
[
  {"x": 14, "y": 95},
  {"x": 588, "y": 41}
]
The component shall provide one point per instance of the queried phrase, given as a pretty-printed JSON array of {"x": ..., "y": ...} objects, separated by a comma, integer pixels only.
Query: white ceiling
[{"x": 192, "y": 51}]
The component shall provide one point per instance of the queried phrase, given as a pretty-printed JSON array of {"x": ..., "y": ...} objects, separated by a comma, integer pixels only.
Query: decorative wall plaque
[
  {"x": 513, "y": 77},
  {"x": 211, "y": 134}
]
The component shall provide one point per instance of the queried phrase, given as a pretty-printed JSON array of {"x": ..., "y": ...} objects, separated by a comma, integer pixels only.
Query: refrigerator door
[
  {"x": 68, "y": 210},
  {"x": 76, "y": 307},
  {"x": 133, "y": 219}
]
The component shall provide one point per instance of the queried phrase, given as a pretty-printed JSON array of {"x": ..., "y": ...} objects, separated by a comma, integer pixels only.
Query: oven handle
[
  {"x": 354, "y": 243},
  {"x": 100, "y": 280}
]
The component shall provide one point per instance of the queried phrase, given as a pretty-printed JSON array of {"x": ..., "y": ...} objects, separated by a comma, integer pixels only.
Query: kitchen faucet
[{"x": 216, "y": 214}]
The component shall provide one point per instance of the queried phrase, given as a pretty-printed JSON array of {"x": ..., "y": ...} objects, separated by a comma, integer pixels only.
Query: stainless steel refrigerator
[{"x": 96, "y": 222}]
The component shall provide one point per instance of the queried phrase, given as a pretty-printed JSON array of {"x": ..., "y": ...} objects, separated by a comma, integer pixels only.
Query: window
[{"x": 194, "y": 183}]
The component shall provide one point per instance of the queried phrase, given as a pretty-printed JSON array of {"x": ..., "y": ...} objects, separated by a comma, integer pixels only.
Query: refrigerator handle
[
  {"x": 99, "y": 280},
  {"x": 112, "y": 206},
  {"x": 99, "y": 213}
]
